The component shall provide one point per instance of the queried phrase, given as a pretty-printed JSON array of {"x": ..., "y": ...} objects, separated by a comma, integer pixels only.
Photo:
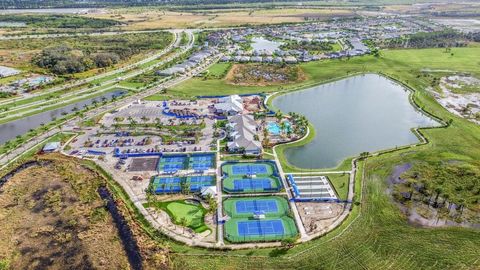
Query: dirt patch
[
  {"x": 461, "y": 96},
  {"x": 318, "y": 216},
  {"x": 263, "y": 75}
]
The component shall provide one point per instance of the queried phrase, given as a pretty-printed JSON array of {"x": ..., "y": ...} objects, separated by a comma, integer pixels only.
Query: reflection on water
[
  {"x": 362, "y": 113},
  {"x": 10, "y": 130}
]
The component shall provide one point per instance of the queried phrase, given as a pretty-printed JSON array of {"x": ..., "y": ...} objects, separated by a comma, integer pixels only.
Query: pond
[
  {"x": 10, "y": 130},
  {"x": 365, "y": 113},
  {"x": 262, "y": 44}
]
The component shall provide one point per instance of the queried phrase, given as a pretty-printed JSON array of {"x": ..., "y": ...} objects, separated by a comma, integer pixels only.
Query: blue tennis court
[
  {"x": 251, "y": 206},
  {"x": 202, "y": 166},
  {"x": 202, "y": 158},
  {"x": 168, "y": 188},
  {"x": 201, "y": 179},
  {"x": 243, "y": 184},
  {"x": 168, "y": 159},
  {"x": 249, "y": 169},
  {"x": 260, "y": 227},
  {"x": 167, "y": 180},
  {"x": 172, "y": 167}
]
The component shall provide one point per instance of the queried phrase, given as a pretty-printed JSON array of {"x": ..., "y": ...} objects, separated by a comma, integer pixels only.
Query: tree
[
  {"x": 183, "y": 223},
  {"x": 278, "y": 115},
  {"x": 288, "y": 243}
]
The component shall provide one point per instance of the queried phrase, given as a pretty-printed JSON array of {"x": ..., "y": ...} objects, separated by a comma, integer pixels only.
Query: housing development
[{"x": 250, "y": 135}]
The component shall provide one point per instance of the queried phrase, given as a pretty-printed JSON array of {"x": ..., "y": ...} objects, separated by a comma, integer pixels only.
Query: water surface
[
  {"x": 10, "y": 130},
  {"x": 262, "y": 44},
  {"x": 362, "y": 113}
]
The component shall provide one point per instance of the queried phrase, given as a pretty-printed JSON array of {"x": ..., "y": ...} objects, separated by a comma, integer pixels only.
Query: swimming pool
[{"x": 274, "y": 128}]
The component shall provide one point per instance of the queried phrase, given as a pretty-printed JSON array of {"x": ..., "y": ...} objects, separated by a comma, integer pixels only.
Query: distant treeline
[
  {"x": 440, "y": 39},
  {"x": 9, "y": 4},
  {"x": 59, "y": 21}
]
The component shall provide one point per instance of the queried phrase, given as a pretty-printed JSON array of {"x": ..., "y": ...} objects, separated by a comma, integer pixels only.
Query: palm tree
[
  {"x": 278, "y": 115},
  {"x": 183, "y": 223},
  {"x": 132, "y": 123},
  {"x": 283, "y": 127}
]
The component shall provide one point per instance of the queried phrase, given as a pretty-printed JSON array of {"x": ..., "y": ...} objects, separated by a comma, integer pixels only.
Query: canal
[{"x": 10, "y": 130}]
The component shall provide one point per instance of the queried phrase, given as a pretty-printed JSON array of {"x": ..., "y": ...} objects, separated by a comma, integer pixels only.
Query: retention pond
[{"x": 364, "y": 113}]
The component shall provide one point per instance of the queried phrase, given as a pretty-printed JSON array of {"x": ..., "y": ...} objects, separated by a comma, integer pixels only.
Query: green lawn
[
  {"x": 193, "y": 214},
  {"x": 340, "y": 183}
]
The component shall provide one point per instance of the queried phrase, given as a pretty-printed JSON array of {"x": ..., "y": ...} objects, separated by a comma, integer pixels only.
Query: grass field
[
  {"x": 192, "y": 215},
  {"x": 340, "y": 183},
  {"x": 141, "y": 18},
  {"x": 241, "y": 210},
  {"x": 379, "y": 236}
]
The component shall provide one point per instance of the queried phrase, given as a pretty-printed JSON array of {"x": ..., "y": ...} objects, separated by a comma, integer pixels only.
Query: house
[
  {"x": 257, "y": 59},
  {"x": 230, "y": 105},
  {"x": 242, "y": 130},
  {"x": 7, "y": 72},
  {"x": 290, "y": 60}
]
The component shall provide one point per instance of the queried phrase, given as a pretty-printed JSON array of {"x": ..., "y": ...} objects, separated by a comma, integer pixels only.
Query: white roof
[{"x": 205, "y": 191}]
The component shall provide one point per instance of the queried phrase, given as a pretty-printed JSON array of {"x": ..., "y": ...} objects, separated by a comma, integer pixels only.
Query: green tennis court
[
  {"x": 275, "y": 224},
  {"x": 249, "y": 168},
  {"x": 251, "y": 177},
  {"x": 239, "y": 230}
]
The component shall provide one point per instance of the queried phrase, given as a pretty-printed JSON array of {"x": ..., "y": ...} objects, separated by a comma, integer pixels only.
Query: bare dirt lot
[
  {"x": 262, "y": 75},
  {"x": 52, "y": 216},
  {"x": 317, "y": 216},
  {"x": 461, "y": 96}
]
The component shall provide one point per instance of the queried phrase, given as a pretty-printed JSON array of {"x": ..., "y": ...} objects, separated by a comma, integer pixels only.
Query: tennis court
[
  {"x": 271, "y": 206},
  {"x": 269, "y": 229},
  {"x": 177, "y": 184},
  {"x": 249, "y": 169},
  {"x": 172, "y": 163},
  {"x": 197, "y": 182},
  {"x": 173, "y": 159},
  {"x": 202, "y": 162},
  {"x": 250, "y": 177},
  {"x": 260, "y": 227},
  {"x": 251, "y": 184},
  {"x": 266, "y": 206},
  {"x": 245, "y": 224}
]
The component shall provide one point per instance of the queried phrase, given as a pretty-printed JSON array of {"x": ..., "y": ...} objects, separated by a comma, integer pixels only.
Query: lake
[
  {"x": 364, "y": 113},
  {"x": 262, "y": 44},
  {"x": 10, "y": 130}
]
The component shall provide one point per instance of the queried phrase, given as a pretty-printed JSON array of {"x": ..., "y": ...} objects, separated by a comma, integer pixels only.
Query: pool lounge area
[{"x": 275, "y": 129}]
